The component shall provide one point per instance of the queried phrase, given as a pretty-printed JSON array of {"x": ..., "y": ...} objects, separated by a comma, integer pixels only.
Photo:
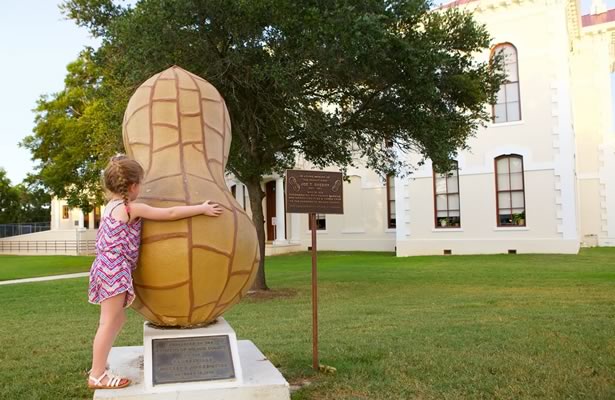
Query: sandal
[{"x": 113, "y": 381}]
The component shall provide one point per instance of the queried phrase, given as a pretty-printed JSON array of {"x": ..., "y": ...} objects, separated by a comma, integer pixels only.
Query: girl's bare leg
[{"x": 112, "y": 318}]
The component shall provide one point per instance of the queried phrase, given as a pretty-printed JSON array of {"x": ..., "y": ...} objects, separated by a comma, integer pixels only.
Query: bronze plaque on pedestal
[
  {"x": 191, "y": 359},
  {"x": 314, "y": 192}
]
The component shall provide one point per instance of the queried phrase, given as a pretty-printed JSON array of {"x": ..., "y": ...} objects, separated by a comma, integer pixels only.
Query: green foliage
[
  {"x": 9, "y": 200},
  {"x": 34, "y": 201},
  {"x": 312, "y": 77},
  {"x": 303, "y": 77},
  {"x": 95, "y": 14},
  {"x": 299, "y": 77},
  {"x": 25, "y": 202}
]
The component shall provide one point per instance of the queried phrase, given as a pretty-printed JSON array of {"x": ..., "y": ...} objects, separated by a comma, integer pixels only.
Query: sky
[{"x": 36, "y": 45}]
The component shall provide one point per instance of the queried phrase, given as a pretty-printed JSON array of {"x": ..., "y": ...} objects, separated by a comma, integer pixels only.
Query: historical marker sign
[
  {"x": 314, "y": 192},
  {"x": 191, "y": 359}
]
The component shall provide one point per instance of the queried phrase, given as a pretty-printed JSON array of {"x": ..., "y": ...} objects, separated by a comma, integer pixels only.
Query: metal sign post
[
  {"x": 314, "y": 192},
  {"x": 314, "y": 294}
]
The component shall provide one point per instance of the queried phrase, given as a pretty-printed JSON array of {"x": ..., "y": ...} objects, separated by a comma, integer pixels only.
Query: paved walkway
[{"x": 45, "y": 278}]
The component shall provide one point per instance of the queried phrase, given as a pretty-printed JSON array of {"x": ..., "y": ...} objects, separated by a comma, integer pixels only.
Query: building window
[
  {"x": 446, "y": 198},
  {"x": 321, "y": 222},
  {"x": 508, "y": 104},
  {"x": 64, "y": 212},
  {"x": 234, "y": 191},
  {"x": 96, "y": 217},
  {"x": 510, "y": 190},
  {"x": 391, "y": 216}
]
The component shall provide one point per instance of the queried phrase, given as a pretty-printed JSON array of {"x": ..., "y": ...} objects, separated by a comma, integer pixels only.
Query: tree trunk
[{"x": 256, "y": 203}]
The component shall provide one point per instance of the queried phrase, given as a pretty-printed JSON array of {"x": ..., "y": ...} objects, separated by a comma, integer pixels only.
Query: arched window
[
  {"x": 510, "y": 190},
  {"x": 446, "y": 198},
  {"x": 508, "y": 102}
]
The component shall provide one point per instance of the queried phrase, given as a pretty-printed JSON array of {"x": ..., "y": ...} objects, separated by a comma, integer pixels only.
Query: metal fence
[
  {"x": 8, "y": 230},
  {"x": 48, "y": 246}
]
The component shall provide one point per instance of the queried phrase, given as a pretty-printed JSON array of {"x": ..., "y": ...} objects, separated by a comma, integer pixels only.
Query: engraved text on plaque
[{"x": 191, "y": 359}]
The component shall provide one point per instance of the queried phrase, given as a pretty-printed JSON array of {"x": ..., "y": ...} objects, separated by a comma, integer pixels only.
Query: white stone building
[
  {"x": 64, "y": 217},
  {"x": 539, "y": 179},
  {"x": 71, "y": 232}
]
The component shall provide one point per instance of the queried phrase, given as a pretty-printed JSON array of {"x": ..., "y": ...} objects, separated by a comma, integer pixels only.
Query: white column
[
  {"x": 241, "y": 197},
  {"x": 402, "y": 209},
  {"x": 56, "y": 213},
  {"x": 403, "y": 226},
  {"x": 295, "y": 228},
  {"x": 60, "y": 215},
  {"x": 80, "y": 215},
  {"x": 280, "y": 215},
  {"x": 608, "y": 198},
  {"x": 564, "y": 162}
]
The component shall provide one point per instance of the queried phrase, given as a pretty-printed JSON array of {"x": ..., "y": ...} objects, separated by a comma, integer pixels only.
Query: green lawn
[
  {"x": 17, "y": 267},
  {"x": 457, "y": 327}
]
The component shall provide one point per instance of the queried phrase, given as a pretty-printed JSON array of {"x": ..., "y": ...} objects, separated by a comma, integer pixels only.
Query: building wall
[
  {"x": 544, "y": 137},
  {"x": 364, "y": 224},
  {"x": 606, "y": 236},
  {"x": 73, "y": 219},
  {"x": 591, "y": 68},
  {"x": 479, "y": 232},
  {"x": 64, "y": 217}
]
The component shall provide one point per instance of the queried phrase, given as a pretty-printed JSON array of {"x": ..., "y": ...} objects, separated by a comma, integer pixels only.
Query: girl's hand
[{"x": 211, "y": 209}]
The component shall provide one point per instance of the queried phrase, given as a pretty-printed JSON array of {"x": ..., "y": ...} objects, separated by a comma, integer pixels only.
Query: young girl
[{"x": 117, "y": 251}]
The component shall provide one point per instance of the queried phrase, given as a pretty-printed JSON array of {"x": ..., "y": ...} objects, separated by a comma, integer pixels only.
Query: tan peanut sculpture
[{"x": 190, "y": 271}]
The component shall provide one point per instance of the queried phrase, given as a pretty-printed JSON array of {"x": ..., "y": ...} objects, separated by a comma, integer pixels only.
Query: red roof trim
[
  {"x": 586, "y": 20},
  {"x": 455, "y": 3},
  {"x": 595, "y": 19}
]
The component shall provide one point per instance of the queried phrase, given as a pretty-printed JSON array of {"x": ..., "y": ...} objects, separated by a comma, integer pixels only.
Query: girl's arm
[{"x": 173, "y": 213}]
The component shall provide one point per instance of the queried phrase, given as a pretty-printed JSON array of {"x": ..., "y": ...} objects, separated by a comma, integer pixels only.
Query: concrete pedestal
[
  {"x": 261, "y": 380},
  {"x": 190, "y": 364}
]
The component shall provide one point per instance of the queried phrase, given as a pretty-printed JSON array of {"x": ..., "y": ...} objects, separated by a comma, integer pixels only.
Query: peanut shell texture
[{"x": 190, "y": 271}]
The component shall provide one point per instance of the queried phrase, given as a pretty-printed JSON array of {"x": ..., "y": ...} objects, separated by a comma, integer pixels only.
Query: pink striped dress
[{"x": 117, "y": 252}]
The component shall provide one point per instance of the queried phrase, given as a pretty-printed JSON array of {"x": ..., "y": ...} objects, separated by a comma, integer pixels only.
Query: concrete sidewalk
[{"x": 45, "y": 278}]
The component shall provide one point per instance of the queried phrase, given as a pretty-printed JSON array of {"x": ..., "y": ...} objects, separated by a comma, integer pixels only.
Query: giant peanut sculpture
[{"x": 190, "y": 271}]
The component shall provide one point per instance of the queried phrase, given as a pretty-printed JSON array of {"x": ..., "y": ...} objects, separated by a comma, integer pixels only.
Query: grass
[
  {"x": 458, "y": 327},
  {"x": 18, "y": 267}
]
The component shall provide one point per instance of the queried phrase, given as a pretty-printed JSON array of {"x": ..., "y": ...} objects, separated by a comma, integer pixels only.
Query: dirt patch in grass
[
  {"x": 298, "y": 383},
  {"x": 271, "y": 294}
]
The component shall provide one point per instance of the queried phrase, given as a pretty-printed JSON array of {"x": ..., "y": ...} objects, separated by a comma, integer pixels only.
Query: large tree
[
  {"x": 306, "y": 77},
  {"x": 25, "y": 202},
  {"x": 75, "y": 134},
  {"x": 34, "y": 201},
  {"x": 9, "y": 200}
]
